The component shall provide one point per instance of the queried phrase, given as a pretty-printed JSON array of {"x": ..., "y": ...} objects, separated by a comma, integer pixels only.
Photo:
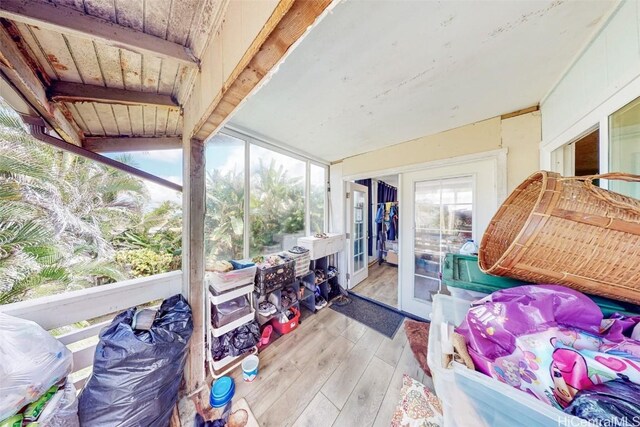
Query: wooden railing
[{"x": 56, "y": 311}]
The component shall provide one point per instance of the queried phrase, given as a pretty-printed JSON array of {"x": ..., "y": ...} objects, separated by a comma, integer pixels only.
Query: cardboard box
[{"x": 392, "y": 257}]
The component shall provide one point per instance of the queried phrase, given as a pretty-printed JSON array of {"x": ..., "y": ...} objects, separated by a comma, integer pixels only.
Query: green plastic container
[{"x": 463, "y": 272}]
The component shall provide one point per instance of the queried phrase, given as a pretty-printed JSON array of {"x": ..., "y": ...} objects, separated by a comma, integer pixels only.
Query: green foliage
[
  {"x": 63, "y": 217},
  {"x": 144, "y": 262}
]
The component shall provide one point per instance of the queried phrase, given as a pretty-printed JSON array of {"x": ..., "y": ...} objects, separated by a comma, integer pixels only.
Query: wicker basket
[{"x": 567, "y": 231}]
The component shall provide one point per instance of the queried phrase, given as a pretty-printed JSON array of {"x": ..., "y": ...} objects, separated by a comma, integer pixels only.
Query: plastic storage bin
[
  {"x": 285, "y": 328},
  {"x": 222, "y": 282},
  {"x": 302, "y": 263},
  {"x": 470, "y": 398},
  {"x": 273, "y": 278},
  {"x": 464, "y": 279},
  {"x": 230, "y": 311},
  {"x": 321, "y": 247}
]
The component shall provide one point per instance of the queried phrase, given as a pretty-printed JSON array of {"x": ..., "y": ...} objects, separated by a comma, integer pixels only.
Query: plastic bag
[
  {"x": 236, "y": 342},
  {"x": 614, "y": 403},
  {"x": 549, "y": 341},
  {"x": 31, "y": 361},
  {"x": 63, "y": 412},
  {"x": 137, "y": 374}
]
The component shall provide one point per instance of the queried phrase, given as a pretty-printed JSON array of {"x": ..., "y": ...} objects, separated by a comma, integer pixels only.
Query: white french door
[
  {"x": 356, "y": 221},
  {"x": 442, "y": 208}
]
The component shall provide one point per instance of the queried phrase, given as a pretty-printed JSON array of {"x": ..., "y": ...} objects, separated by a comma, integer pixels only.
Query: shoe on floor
[
  {"x": 320, "y": 302},
  {"x": 266, "y": 309}
]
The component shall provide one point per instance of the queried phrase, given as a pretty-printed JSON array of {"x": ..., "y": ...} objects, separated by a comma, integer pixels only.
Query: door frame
[
  {"x": 500, "y": 156},
  {"x": 349, "y": 188}
]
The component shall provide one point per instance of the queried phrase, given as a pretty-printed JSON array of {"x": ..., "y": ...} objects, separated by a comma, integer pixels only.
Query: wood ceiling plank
[
  {"x": 124, "y": 144},
  {"x": 75, "y": 4},
  {"x": 172, "y": 122},
  {"x": 121, "y": 113},
  {"x": 77, "y": 117},
  {"x": 150, "y": 73},
  {"x": 73, "y": 22},
  {"x": 156, "y": 17},
  {"x": 107, "y": 118},
  {"x": 30, "y": 40},
  {"x": 104, "y": 9},
  {"x": 131, "y": 66},
  {"x": 20, "y": 72},
  {"x": 54, "y": 48},
  {"x": 90, "y": 118},
  {"x": 162, "y": 115},
  {"x": 130, "y": 13},
  {"x": 211, "y": 16},
  {"x": 110, "y": 64},
  {"x": 168, "y": 74},
  {"x": 180, "y": 20},
  {"x": 84, "y": 54},
  {"x": 137, "y": 120},
  {"x": 149, "y": 123}
]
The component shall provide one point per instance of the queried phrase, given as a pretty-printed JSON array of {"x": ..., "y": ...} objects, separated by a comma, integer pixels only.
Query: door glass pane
[
  {"x": 358, "y": 230},
  {"x": 443, "y": 223},
  {"x": 624, "y": 143}
]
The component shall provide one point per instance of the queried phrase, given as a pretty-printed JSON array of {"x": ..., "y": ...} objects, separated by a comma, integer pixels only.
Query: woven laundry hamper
[{"x": 567, "y": 231}]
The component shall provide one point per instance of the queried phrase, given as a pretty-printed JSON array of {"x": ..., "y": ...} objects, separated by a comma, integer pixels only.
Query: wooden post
[{"x": 193, "y": 256}]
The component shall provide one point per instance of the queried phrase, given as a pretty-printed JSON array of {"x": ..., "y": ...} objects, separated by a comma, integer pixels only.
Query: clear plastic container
[
  {"x": 470, "y": 398},
  {"x": 230, "y": 311},
  {"x": 223, "y": 282}
]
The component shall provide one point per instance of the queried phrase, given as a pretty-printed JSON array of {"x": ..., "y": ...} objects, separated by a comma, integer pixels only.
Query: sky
[{"x": 223, "y": 152}]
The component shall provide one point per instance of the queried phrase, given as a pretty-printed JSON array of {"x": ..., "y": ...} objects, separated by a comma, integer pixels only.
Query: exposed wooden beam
[
  {"x": 70, "y": 21},
  {"x": 193, "y": 287},
  {"x": 26, "y": 78},
  {"x": 289, "y": 21},
  {"x": 76, "y": 92},
  {"x": 520, "y": 112},
  {"x": 131, "y": 143}
]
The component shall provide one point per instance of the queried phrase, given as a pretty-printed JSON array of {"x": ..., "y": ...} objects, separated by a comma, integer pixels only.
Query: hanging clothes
[{"x": 393, "y": 223}]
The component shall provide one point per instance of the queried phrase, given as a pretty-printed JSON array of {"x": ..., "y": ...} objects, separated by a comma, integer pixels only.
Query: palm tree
[{"x": 58, "y": 214}]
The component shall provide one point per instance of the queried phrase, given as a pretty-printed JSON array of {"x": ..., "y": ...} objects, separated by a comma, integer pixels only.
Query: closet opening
[{"x": 375, "y": 259}]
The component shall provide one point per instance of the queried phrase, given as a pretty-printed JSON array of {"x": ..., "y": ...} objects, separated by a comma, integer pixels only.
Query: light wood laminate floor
[
  {"x": 331, "y": 371},
  {"x": 381, "y": 285}
]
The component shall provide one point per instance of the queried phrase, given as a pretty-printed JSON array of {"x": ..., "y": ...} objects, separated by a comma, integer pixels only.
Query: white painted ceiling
[{"x": 377, "y": 73}]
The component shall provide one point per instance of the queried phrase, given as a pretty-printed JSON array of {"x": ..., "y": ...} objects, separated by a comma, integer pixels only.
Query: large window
[
  {"x": 282, "y": 205},
  {"x": 317, "y": 197},
  {"x": 224, "y": 199},
  {"x": 624, "y": 146}
]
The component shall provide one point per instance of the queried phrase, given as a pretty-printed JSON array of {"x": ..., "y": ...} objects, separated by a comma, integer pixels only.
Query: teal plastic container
[{"x": 463, "y": 272}]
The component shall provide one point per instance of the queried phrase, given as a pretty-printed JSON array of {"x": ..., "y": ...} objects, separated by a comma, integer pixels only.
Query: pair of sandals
[
  {"x": 321, "y": 236},
  {"x": 320, "y": 277}
]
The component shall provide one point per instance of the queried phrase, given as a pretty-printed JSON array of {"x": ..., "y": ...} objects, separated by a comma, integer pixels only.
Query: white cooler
[{"x": 470, "y": 398}]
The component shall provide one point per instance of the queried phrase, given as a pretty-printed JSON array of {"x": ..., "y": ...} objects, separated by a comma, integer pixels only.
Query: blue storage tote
[{"x": 463, "y": 272}]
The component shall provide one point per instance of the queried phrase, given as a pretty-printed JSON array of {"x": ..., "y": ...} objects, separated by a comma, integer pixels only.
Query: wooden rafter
[
  {"x": 76, "y": 92},
  {"x": 131, "y": 143},
  {"x": 70, "y": 21},
  {"x": 17, "y": 69},
  {"x": 289, "y": 21}
]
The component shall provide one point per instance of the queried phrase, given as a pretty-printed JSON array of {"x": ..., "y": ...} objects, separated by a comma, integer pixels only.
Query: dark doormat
[{"x": 383, "y": 320}]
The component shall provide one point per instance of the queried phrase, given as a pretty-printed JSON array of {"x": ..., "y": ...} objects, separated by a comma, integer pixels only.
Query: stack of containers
[{"x": 231, "y": 306}]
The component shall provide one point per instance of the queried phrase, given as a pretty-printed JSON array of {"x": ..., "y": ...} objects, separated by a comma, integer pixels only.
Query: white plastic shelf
[
  {"x": 228, "y": 364},
  {"x": 229, "y": 295},
  {"x": 218, "y": 332}
]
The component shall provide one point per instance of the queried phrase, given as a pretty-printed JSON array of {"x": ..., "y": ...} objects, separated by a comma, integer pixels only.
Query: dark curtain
[
  {"x": 387, "y": 193},
  {"x": 367, "y": 183}
]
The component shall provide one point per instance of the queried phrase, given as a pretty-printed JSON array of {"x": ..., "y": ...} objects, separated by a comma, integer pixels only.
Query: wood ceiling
[{"x": 101, "y": 70}]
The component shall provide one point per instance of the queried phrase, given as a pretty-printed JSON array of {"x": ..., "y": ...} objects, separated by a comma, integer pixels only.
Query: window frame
[
  {"x": 556, "y": 154},
  {"x": 249, "y": 140}
]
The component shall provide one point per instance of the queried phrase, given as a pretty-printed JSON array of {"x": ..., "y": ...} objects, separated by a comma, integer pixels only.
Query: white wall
[{"x": 608, "y": 65}]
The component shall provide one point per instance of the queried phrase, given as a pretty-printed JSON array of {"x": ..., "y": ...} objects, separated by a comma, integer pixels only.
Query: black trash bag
[
  {"x": 236, "y": 342},
  {"x": 136, "y": 374},
  {"x": 613, "y": 403}
]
